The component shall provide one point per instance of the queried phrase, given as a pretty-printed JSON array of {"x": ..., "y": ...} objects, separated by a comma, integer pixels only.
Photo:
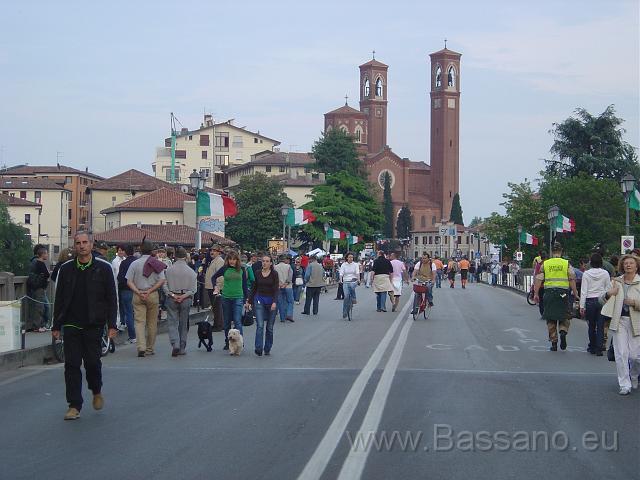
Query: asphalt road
[{"x": 473, "y": 392}]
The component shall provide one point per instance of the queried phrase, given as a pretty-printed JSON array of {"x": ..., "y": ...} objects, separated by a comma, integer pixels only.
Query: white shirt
[
  {"x": 595, "y": 282},
  {"x": 115, "y": 264},
  {"x": 349, "y": 271}
]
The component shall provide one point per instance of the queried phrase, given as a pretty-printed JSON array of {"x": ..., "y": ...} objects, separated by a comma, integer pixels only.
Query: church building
[{"x": 428, "y": 190}]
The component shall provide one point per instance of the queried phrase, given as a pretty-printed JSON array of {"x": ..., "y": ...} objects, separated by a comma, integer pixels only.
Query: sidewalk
[{"x": 38, "y": 349}]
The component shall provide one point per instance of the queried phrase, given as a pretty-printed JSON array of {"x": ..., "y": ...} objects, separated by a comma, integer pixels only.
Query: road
[{"x": 473, "y": 390}]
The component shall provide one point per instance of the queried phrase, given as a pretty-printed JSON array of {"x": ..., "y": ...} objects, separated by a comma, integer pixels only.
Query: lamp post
[
  {"x": 284, "y": 210},
  {"x": 628, "y": 184},
  {"x": 197, "y": 181},
  {"x": 552, "y": 214},
  {"x": 519, "y": 233}
]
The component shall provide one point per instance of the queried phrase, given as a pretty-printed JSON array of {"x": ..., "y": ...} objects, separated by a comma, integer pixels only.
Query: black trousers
[
  {"x": 216, "y": 310},
  {"x": 340, "y": 293},
  {"x": 82, "y": 346},
  {"x": 313, "y": 293}
]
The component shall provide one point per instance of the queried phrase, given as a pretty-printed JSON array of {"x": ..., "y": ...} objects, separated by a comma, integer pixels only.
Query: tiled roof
[
  {"x": 163, "y": 199},
  {"x": 345, "y": 109},
  {"x": 174, "y": 235},
  {"x": 374, "y": 63},
  {"x": 277, "y": 158},
  {"x": 445, "y": 51},
  {"x": 28, "y": 183},
  {"x": 226, "y": 124},
  {"x": 17, "y": 202},
  {"x": 302, "y": 181},
  {"x": 46, "y": 170},
  {"x": 130, "y": 180}
]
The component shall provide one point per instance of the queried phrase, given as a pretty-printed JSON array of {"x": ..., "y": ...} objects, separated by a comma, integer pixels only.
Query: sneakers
[
  {"x": 133, "y": 340},
  {"x": 175, "y": 351},
  {"x": 354, "y": 301},
  {"x": 634, "y": 383},
  {"x": 140, "y": 354},
  {"x": 563, "y": 340},
  {"x": 121, "y": 327},
  {"x": 624, "y": 391},
  {"x": 554, "y": 347},
  {"x": 344, "y": 316},
  {"x": 72, "y": 414},
  {"x": 98, "y": 401},
  {"x": 258, "y": 352}
]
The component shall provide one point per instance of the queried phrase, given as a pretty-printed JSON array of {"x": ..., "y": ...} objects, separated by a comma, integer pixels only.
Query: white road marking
[
  {"x": 356, "y": 459},
  {"x": 503, "y": 372},
  {"x": 22, "y": 377},
  {"x": 316, "y": 465}
]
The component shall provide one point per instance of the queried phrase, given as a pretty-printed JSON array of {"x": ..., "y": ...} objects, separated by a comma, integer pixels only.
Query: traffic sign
[
  {"x": 444, "y": 230},
  {"x": 519, "y": 256},
  {"x": 478, "y": 255},
  {"x": 626, "y": 243}
]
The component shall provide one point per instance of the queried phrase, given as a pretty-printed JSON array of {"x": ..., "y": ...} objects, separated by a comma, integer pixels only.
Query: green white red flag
[
  {"x": 213, "y": 205},
  {"x": 298, "y": 216},
  {"x": 528, "y": 238},
  {"x": 353, "y": 239},
  {"x": 333, "y": 234},
  {"x": 634, "y": 199},
  {"x": 565, "y": 224}
]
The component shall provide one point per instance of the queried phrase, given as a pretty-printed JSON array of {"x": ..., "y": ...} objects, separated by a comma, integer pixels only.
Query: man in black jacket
[{"x": 86, "y": 301}]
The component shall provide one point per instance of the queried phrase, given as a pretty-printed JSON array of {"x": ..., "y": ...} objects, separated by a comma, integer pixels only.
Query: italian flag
[
  {"x": 528, "y": 238},
  {"x": 353, "y": 239},
  {"x": 212, "y": 205},
  {"x": 634, "y": 200},
  {"x": 297, "y": 216},
  {"x": 565, "y": 224},
  {"x": 335, "y": 234}
]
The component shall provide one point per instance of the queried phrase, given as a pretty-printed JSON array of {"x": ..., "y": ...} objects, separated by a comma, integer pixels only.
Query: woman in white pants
[{"x": 623, "y": 306}]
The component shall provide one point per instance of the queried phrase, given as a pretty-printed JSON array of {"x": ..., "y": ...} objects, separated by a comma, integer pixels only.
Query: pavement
[{"x": 472, "y": 392}]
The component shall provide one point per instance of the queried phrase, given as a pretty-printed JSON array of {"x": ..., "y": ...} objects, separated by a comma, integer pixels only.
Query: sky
[{"x": 97, "y": 81}]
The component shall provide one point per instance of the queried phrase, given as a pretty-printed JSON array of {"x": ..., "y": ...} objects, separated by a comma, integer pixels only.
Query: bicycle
[
  {"x": 420, "y": 304},
  {"x": 530, "y": 297},
  {"x": 107, "y": 345}
]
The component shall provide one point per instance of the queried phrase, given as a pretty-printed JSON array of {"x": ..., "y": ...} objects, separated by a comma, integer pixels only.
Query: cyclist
[
  {"x": 349, "y": 275},
  {"x": 425, "y": 271}
]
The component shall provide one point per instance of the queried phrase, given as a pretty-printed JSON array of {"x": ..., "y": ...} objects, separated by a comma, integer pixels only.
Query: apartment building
[
  {"x": 24, "y": 213},
  {"x": 447, "y": 240}
]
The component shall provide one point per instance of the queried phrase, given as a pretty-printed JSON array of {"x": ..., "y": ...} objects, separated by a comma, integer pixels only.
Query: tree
[
  {"x": 404, "y": 224},
  {"x": 456, "y": 211},
  {"x": 593, "y": 146},
  {"x": 387, "y": 207},
  {"x": 335, "y": 152},
  {"x": 15, "y": 243},
  {"x": 475, "y": 221},
  {"x": 259, "y": 199},
  {"x": 345, "y": 202}
]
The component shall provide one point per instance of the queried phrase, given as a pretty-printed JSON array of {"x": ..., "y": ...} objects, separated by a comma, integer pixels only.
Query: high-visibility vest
[{"x": 556, "y": 273}]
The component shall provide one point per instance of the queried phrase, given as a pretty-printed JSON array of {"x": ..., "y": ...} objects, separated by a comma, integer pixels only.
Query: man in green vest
[{"x": 558, "y": 278}]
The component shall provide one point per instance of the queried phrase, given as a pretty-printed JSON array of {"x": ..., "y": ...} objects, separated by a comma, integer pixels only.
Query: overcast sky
[{"x": 97, "y": 80}]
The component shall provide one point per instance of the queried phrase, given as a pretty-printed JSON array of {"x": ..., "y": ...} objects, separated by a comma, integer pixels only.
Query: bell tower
[
  {"x": 445, "y": 128},
  {"x": 373, "y": 102}
]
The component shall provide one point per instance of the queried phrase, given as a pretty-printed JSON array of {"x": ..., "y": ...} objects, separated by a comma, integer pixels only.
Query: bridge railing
[{"x": 522, "y": 281}]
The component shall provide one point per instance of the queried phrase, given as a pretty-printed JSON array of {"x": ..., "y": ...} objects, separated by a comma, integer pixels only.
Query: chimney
[
  {"x": 139, "y": 225},
  {"x": 208, "y": 120}
]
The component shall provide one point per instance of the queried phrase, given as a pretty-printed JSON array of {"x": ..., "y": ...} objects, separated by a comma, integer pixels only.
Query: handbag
[
  {"x": 611, "y": 354},
  {"x": 299, "y": 281},
  {"x": 247, "y": 318}
]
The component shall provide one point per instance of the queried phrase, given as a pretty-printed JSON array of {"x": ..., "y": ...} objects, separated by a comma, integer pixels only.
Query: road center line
[
  {"x": 356, "y": 459},
  {"x": 320, "y": 459}
]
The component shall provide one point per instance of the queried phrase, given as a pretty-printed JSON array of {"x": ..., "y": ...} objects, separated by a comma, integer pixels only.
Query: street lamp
[
  {"x": 628, "y": 184},
  {"x": 552, "y": 214},
  {"x": 519, "y": 234},
  {"x": 284, "y": 210},
  {"x": 197, "y": 181}
]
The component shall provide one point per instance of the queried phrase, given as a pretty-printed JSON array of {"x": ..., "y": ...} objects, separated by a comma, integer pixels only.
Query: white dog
[{"x": 236, "y": 343}]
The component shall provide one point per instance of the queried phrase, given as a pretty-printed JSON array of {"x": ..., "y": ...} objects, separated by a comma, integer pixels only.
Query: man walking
[
  {"x": 558, "y": 277},
  {"x": 439, "y": 271},
  {"x": 86, "y": 301},
  {"x": 285, "y": 297},
  {"x": 314, "y": 279},
  {"x": 125, "y": 295},
  {"x": 180, "y": 287},
  {"x": 145, "y": 277},
  {"x": 37, "y": 283},
  {"x": 464, "y": 271},
  {"x": 216, "y": 263}
]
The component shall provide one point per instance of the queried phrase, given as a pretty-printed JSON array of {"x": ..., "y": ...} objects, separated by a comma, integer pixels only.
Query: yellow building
[
  {"x": 55, "y": 213},
  {"x": 24, "y": 213},
  {"x": 211, "y": 149}
]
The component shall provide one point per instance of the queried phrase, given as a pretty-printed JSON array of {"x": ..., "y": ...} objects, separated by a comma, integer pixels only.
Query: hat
[
  {"x": 101, "y": 245},
  {"x": 216, "y": 247},
  {"x": 146, "y": 247},
  {"x": 181, "y": 253}
]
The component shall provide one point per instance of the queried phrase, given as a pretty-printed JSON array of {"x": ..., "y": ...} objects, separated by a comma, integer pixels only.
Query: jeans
[
  {"x": 596, "y": 324},
  {"x": 285, "y": 303},
  {"x": 471, "y": 275},
  {"x": 263, "y": 312},
  {"x": 494, "y": 279},
  {"x": 381, "y": 300},
  {"x": 313, "y": 293},
  {"x": 126, "y": 311},
  {"x": 297, "y": 290},
  {"x": 232, "y": 312},
  {"x": 439, "y": 278},
  {"x": 349, "y": 294}
]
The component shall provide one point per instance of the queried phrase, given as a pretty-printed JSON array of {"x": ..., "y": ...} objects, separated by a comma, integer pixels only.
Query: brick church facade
[{"x": 428, "y": 190}]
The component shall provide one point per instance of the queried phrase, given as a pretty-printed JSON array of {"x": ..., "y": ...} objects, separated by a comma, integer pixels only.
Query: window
[
  {"x": 237, "y": 142},
  {"x": 204, "y": 140},
  {"x": 433, "y": 220},
  {"x": 446, "y": 240},
  {"x": 415, "y": 240},
  {"x": 379, "y": 87},
  {"x": 438, "y": 76},
  {"x": 23, "y": 195},
  {"x": 255, "y": 140},
  {"x": 27, "y": 219},
  {"x": 70, "y": 214},
  {"x": 69, "y": 196},
  {"x": 221, "y": 160},
  {"x": 238, "y": 156},
  {"x": 451, "y": 76},
  {"x": 181, "y": 154},
  {"x": 113, "y": 199},
  {"x": 459, "y": 239},
  {"x": 206, "y": 172},
  {"x": 222, "y": 141},
  {"x": 430, "y": 239},
  {"x": 367, "y": 88},
  {"x": 357, "y": 136},
  {"x": 204, "y": 154},
  {"x": 267, "y": 168},
  {"x": 190, "y": 137},
  {"x": 68, "y": 179},
  {"x": 167, "y": 173},
  {"x": 282, "y": 169},
  {"x": 437, "y": 240},
  {"x": 424, "y": 240},
  {"x": 5, "y": 192},
  {"x": 423, "y": 221}
]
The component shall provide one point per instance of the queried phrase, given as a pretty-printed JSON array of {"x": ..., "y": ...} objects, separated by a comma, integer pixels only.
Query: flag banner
[
  {"x": 565, "y": 224},
  {"x": 211, "y": 225},
  {"x": 353, "y": 239},
  {"x": 212, "y": 205},
  {"x": 634, "y": 200},
  {"x": 297, "y": 216},
  {"x": 528, "y": 238},
  {"x": 335, "y": 234}
]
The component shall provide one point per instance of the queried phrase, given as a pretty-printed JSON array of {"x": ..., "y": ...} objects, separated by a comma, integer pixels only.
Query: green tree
[
  {"x": 456, "y": 211},
  {"x": 387, "y": 207},
  {"x": 259, "y": 199},
  {"x": 475, "y": 221},
  {"x": 591, "y": 145},
  {"x": 345, "y": 202},
  {"x": 16, "y": 245},
  {"x": 404, "y": 224},
  {"x": 335, "y": 152}
]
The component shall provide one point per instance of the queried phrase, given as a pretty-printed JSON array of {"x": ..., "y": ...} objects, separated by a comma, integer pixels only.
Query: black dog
[{"x": 205, "y": 335}]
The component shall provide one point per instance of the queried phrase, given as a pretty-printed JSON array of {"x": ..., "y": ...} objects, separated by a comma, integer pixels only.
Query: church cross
[
  {"x": 445, "y": 43},
  {"x": 374, "y": 54},
  {"x": 346, "y": 98}
]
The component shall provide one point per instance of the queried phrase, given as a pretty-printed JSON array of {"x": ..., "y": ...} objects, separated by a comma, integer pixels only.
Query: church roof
[
  {"x": 374, "y": 63},
  {"x": 345, "y": 109},
  {"x": 445, "y": 51}
]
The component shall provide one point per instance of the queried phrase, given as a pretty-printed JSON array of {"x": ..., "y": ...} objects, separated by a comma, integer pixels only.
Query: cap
[{"x": 146, "y": 247}]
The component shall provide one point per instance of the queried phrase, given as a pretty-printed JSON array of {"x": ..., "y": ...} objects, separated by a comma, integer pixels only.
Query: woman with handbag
[
  {"x": 298, "y": 280},
  {"x": 262, "y": 299},
  {"x": 623, "y": 307}
]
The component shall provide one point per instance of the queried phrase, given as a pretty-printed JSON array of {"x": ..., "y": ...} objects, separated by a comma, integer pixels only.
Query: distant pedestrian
[
  {"x": 120, "y": 256},
  {"x": 595, "y": 283},
  {"x": 439, "y": 271},
  {"x": 262, "y": 300},
  {"x": 234, "y": 293},
  {"x": 398, "y": 277},
  {"x": 180, "y": 287},
  {"x": 37, "y": 283},
  {"x": 464, "y": 271},
  {"x": 382, "y": 270},
  {"x": 349, "y": 277},
  {"x": 285, "y": 297},
  {"x": 65, "y": 255},
  {"x": 452, "y": 268},
  {"x": 495, "y": 272},
  {"x": 298, "y": 280},
  {"x": 215, "y": 262},
  {"x": 314, "y": 279},
  {"x": 86, "y": 302},
  {"x": 472, "y": 272},
  {"x": 125, "y": 294}
]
